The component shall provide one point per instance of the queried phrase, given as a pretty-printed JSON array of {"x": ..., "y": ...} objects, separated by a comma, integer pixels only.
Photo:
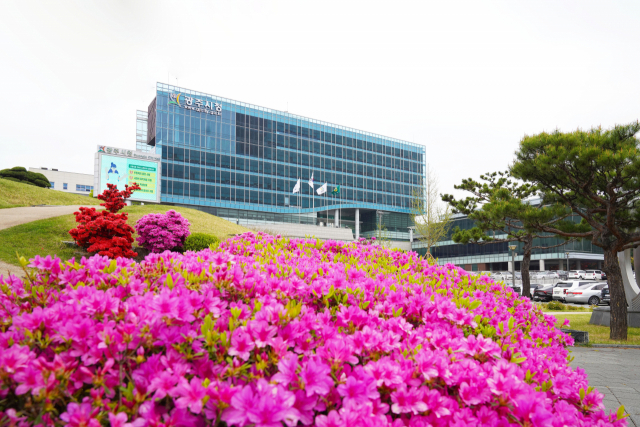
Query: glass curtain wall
[{"x": 249, "y": 157}]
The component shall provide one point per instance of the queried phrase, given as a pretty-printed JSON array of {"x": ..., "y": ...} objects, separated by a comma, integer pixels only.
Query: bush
[
  {"x": 199, "y": 241},
  {"x": 267, "y": 331},
  {"x": 106, "y": 232},
  {"x": 161, "y": 232},
  {"x": 21, "y": 174},
  {"x": 556, "y": 305}
]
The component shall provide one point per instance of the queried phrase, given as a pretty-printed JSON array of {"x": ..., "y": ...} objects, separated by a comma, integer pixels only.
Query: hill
[
  {"x": 45, "y": 237},
  {"x": 15, "y": 194}
]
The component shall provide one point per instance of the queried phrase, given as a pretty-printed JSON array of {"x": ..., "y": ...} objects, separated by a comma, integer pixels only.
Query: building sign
[
  {"x": 128, "y": 153},
  {"x": 124, "y": 167},
  {"x": 195, "y": 104}
]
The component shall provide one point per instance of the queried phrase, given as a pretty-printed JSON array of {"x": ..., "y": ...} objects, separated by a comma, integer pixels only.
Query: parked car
[
  {"x": 595, "y": 275},
  {"x": 605, "y": 298},
  {"x": 543, "y": 293},
  {"x": 563, "y": 274},
  {"x": 561, "y": 288},
  {"x": 590, "y": 294},
  {"x": 505, "y": 276},
  {"x": 576, "y": 274},
  {"x": 532, "y": 289},
  {"x": 548, "y": 275},
  {"x": 517, "y": 289}
]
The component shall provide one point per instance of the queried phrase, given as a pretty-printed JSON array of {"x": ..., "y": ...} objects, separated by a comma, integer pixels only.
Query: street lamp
[{"x": 513, "y": 265}]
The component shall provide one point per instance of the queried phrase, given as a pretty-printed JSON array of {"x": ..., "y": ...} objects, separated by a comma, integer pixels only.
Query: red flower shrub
[
  {"x": 114, "y": 199},
  {"x": 106, "y": 232}
]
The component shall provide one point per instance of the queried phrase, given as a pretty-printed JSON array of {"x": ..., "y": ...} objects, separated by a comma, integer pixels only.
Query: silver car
[{"x": 586, "y": 294}]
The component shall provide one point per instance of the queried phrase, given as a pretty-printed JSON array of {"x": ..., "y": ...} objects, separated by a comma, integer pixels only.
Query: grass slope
[
  {"x": 15, "y": 194},
  {"x": 45, "y": 236},
  {"x": 597, "y": 334}
]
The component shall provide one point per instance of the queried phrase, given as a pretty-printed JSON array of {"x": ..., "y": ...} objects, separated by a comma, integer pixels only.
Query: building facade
[
  {"x": 141, "y": 131},
  {"x": 69, "y": 182},
  {"x": 575, "y": 255},
  {"x": 241, "y": 162}
]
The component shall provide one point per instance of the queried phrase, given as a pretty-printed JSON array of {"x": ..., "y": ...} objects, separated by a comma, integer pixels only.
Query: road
[
  {"x": 16, "y": 216},
  {"x": 615, "y": 372}
]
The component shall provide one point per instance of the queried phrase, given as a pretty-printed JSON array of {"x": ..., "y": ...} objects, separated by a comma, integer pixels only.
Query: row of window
[
  {"x": 268, "y": 151},
  {"x": 85, "y": 188},
  {"x": 303, "y": 163},
  {"x": 178, "y": 118},
  {"x": 240, "y": 195},
  {"x": 267, "y": 183}
]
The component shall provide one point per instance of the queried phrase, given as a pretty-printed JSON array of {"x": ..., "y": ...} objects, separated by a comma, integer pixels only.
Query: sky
[{"x": 466, "y": 79}]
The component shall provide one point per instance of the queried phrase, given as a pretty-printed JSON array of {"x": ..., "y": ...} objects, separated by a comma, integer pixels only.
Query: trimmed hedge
[
  {"x": 199, "y": 241},
  {"x": 20, "y": 174}
]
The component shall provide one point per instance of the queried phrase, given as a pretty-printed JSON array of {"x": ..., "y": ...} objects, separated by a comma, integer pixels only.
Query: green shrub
[
  {"x": 556, "y": 305},
  {"x": 20, "y": 174},
  {"x": 199, "y": 241}
]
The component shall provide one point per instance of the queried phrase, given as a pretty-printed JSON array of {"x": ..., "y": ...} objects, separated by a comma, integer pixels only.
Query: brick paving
[{"x": 615, "y": 372}]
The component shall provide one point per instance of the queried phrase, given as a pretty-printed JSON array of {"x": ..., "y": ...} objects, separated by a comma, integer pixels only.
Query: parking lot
[{"x": 615, "y": 372}]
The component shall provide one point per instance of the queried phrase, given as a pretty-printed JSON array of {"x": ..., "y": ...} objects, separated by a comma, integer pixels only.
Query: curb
[{"x": 608, "y": 346}]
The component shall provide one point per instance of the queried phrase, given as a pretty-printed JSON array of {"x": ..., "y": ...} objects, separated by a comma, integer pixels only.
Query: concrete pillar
[
  {"x": 561, "y": 264},
  {"x": 541, "y": 265},
  {"x": 578, "y": 265},
  {"x": 357, "y": 223},
  {"x": 336, "y": 217},
  {"x": 411, "y": 235},
  {"x": 510, "y": 266}
]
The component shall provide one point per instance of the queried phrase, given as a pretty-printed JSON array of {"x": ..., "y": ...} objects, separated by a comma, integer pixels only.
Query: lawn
[
  {"x": 45, "y": 237},
  {"x": 597, "y": 334},
  {"x": 15, "y": 194}
]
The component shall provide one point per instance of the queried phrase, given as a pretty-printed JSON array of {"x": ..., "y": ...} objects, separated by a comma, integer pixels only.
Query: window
[
  {"x": 64, "y": 186},
  {"x": 53, "y": 184},
  {"x": 85, "y": 188}
]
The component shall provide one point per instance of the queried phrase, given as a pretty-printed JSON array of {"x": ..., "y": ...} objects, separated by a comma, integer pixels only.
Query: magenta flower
[
  {"x": 190, "y": 394},
  {"x": 282, "y": 332},
  {"x": 241, "y": 344},
  {"x": 80, "y": 415},
  {"x": 316, "y": 377},
  {"x": 30, "y": 379},
  {"x": 262, "y": 333},
  {"x": 407, "y": 401}
]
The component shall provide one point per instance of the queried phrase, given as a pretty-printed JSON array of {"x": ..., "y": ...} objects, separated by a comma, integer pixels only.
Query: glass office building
[
  {"x": 241, "y": 162},
  {"x": 580, "y": 254}
]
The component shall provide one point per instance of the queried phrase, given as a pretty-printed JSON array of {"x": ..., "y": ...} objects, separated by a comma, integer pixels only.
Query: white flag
[
  {"x": 322, "y": 189},
  {"x": 296, "y": 189},
  {"x": 311, "y": 180}
]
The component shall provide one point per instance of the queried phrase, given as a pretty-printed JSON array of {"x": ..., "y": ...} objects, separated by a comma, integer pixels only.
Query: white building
[{"x": 69, "y": 182}]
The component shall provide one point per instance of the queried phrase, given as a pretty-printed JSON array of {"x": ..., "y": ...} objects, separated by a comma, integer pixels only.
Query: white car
[
  {"x": 595, "y": 275},
  {"x": 586, "y": 293},
  {"x": 501, "y": 275},
  {"x": 576, "y": 274},
  {"x": 561, "y": 288}
]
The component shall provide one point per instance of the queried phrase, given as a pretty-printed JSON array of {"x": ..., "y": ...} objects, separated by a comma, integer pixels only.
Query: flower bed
[{"x": 272, "y": 332}]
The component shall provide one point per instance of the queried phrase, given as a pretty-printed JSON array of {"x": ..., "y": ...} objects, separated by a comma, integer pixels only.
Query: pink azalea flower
[
  {"x": 262, "y": 333},
  {"x": 241, "y": 344},
  {"x": 80, "y": 415},
  {"x": 190, "y": 394},
  {"x": 316, "y": 377},
  {"x": 407, "y": 401}
]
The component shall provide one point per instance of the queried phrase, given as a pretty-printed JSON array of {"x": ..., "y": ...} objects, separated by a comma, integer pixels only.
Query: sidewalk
[
  {"x": 16, "y": 216},
  {"x": 614, "y": 372}
]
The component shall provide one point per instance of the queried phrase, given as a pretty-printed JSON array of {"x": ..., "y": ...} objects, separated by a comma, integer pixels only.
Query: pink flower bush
[
  {"x": 162, "y": 232},
  {"x": 271, "y": 332}
]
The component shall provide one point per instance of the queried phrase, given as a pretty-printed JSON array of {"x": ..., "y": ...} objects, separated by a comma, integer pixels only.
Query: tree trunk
[
  {"x": 618, "y": 299},
  {"x": 524, "y": 268}
]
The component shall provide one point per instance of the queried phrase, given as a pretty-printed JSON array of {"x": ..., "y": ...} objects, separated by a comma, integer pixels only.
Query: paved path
[
  {"x": 615, "y": 372},
  {"x": 16, "y": 216}
]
